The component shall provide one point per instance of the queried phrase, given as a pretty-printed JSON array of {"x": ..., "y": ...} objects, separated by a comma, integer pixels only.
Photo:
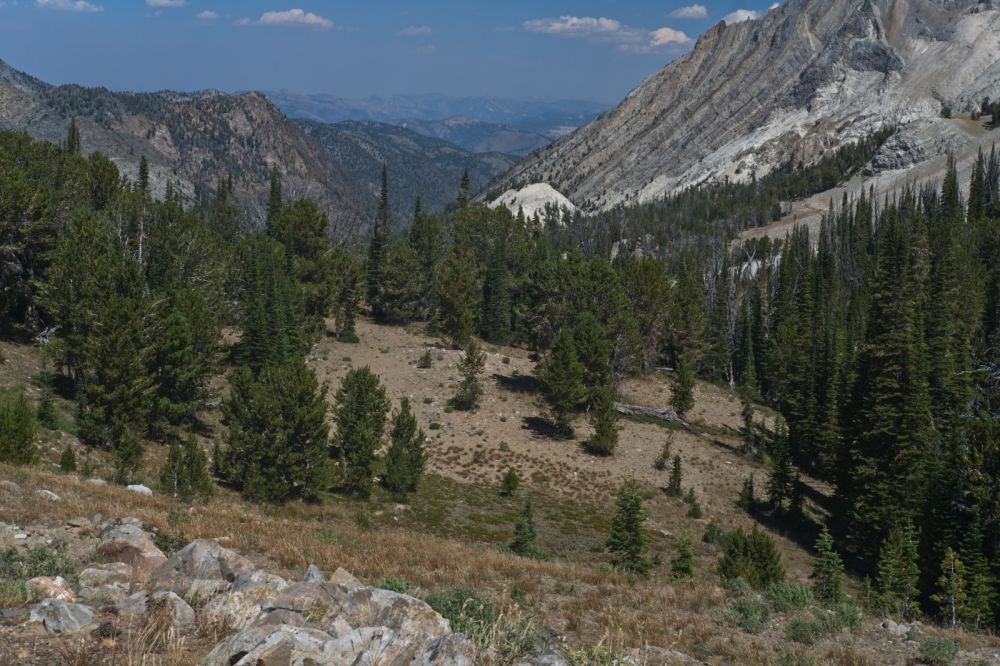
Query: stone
[
  {"x": 201, "y": 559},
  {"x": 60, "y": 617},
  {"x": 141, "y": 489},
  {"x": 47, "y": 495},
  {"x": 133, "y": 546},
  {"x": 97, "y": 482},
  {"x": 53, "y": 588},
  {"x": 452, "y": 650},
  {"x": 267, "y": 646},
  {"x": 10, "y": 486},
  {"x": 21, "y": 536},
  {"x": 235, "y": 610},
  {"x": 78, "y": 522},
  {"x": 895, "y": 629},
  {"x": 342, "y": 577},
  {"x": 313, "y": 575},
  {"x": 259, "y": 579},
  {"x": 114, "y": 573},
  {"x": 133, "y": 606},
  {"x": 180, "y": 612}
]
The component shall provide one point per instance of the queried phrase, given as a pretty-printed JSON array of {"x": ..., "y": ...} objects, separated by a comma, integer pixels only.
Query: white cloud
[
  {"x": 740, "y": 15},
  {"x": 416, "y": 31},
  {"x": 69, "y": 5},
  {"x": 166, "y": 3},
  {"x": 292, "y": 18},
  {"x": 689, "y": 12},
  {"x": 607, "y": 31},
  {"x": 206, "y": 15}
]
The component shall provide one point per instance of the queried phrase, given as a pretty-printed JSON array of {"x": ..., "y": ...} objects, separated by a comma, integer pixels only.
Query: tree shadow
[
  {"x": 543, "y": 427},
  {"x": 518, "y": 383},
  {"x": 793, "y": 525}
]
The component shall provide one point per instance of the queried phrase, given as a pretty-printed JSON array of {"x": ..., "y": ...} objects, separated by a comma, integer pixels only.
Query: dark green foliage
[
  {"x": 67, "y": 460},
  {"x": 402, "y": 295},
  {"x": 360, "y": 419},
  {"x": 746, "y": 499},
  {"x": 750, "y": 615},
  {"x": 788, "y": 597},
  {"x": 898, "y": 571},
  {"x": 682, "y": 388},
  {"x": 39, "y": 560},
  {"x": 628, "y": 542},
  {"x": 509, "y": 483},
  {"x": 783, "y": 481},
  {"x": 753, "y": 557},
  {"x": 470, "y": 386},
  {"x": 425, "y": 361},
  {"x": 277, "y": 436},
  {"x": 828, "y": 571},
  {"x": 682, "y": 566},
  {"x": 660, "y": 463},
  {"x": 466, "y": 611},
  {"x": 951, "y": 595},
  {"x": 404, "y": 461},
  {"x": 604, "y": 420},
  {"x": 73, "y": 138},
  {"x": 938, "y": 651},
  {"x": 275, "y": 199},
  {"x": 523, "y": 542},
  {"x": 184, "y": 475},
  {"x": 378, "y": 248},
  {"x": 561, "y": 375},
  {"x": 674, "y": 487},
  {"x": 17, "y": 429}
]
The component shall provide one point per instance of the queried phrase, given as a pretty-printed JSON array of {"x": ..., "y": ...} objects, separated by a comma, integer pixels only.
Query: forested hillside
[{"x": 873, "y": 350}]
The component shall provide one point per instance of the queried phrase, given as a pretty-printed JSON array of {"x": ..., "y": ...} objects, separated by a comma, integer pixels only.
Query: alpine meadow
[{"x": 448, "y": 371}]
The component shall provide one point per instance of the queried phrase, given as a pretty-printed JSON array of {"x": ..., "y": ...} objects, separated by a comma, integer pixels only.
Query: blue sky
[{"x": 587, "y": 49}]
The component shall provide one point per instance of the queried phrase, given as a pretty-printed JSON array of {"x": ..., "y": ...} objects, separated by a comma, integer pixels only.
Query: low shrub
[
  {"x": 788, "y": 597},
  {"x": 750, "y": 615},
  {"x": 804, "y": 631}
]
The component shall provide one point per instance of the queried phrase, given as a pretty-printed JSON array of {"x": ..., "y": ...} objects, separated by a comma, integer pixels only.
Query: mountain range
[
  {"x": 193, "y": 139},
  {"x": 805, "y": 78}
]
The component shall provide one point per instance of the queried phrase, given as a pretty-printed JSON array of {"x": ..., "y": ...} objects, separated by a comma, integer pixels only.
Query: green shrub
[
  {"x": 788, "y": 597},
  {"x": 753, "y": 557},
  {"x": 750, "y": 615},
  {"x": 714, "y": 535},
  {"x": 17, "y": 567},
  {"x": 425, "y": 360},
  {"x": 67, "y": 459},
  {"x": 394, "y": 584},
  {"x": 17, "y": 429},
  {"x": 804, "y": 631},
  {"x": 938, "y": 651},
  {"x": 509, "y": 636},
  {"x": 840, "y": 616}
]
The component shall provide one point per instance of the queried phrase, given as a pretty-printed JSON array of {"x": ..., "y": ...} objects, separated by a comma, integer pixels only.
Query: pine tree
[
  {"x": 185, "y": 475},
  {"x": 783, "y": 481},
  {"x": 628, "y": 542},
  {"x": 898, "y": 571},
  {"x": 951, "y": 595},
  {"x": 682, "y": 388},
  {"x": 401, "y": 293},
  {"x": 592, "y": 348},
  {"x": 378, "y": 248},
  {"x": 426, "y": 238},
  {"x": 275, "y": 199},
  {"x": 746, "y": 500},
  {"x": 126, "y": 454},
  {"x": 464, "y": 191},
  {"x": 753, "y": 557},
  {"x": 347, "y": 299},
  {"x": 143, "y": 182},
  {"x": 523, "y": 542},
  {"x": 674, "y": 488},
  {"x": 404, "y": 461},
  {"x": 67, "y": 460},
  {"x": 277, "y": 436},
  {"x": 828, "y": 571},
  {"x": 980, "y": 584},
  {"x": 470, "y": 387},
  {"x": 660, "y": 463},
  {"x": 457, "y": 292},
  {"x": 360, "y": 418},
  {"x": 73, "y": 146},
  {"x": 561, "y": 375},
  {"x": 604, "y": 420},
  {"x": 46, "y": 411},
  {"x": 682, "y": 566},
  {"x": 509, "y": 483}
]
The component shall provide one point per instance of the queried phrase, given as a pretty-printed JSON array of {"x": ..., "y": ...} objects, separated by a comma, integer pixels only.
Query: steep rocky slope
[{"x": 808, "y": 76}]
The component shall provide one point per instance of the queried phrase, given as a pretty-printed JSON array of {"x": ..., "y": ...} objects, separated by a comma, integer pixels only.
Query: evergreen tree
[
  {"x": 67, "y": 460},
  {"x": 360, "y": 418},
  {"x": 17, "y": 429},
  {"x": 426, "y": 238},
  {"x": 682, "y": 388},
  {"x": 674, "y": 487},
  {"x": 682, "y": 566},
  {"x": 561, "y": 375},
  {"x": 828, "y": 571},
  {"x": 509, "y": 483},
  {"x": 184, "y": 475},
  {"x": 470, "y": 368},
  {"x": 404, "y": 461},
  {"x": 898, "y": 572},
  {"x": 73, "y": 138},
  {"x": 592, "y": 348},
  {"x": 143, "y": 182},
  {"x": 401, "y": 293},
  {"x": 378, "y": 249},
  {"x": 660, "y": 463},
  {"x": 496, "y": 316},
  {"x": 980, "y": 583},
  {"x": 275, "y": 199},
  {"x": 746, "y": 500},
  {"x": 46, "y": 411},
  {"x": 753, "y": 557},
  {"x": 783, "y": 481},
  {"x": 457, "y": 292},
  {"x": 951, "y": 595},
  {"x": 628, "y": 542},
  {"x": 464, "y": 191},
  {"x": 347, "y": 299},
  {"x": 277, "y": 437},
  {"x": 523, "y": 542},
  {"x": 604, "y": 420}
]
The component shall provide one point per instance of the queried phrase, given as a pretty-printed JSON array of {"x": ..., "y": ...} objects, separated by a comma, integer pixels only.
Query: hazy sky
[{"x": 588, "y": 49}]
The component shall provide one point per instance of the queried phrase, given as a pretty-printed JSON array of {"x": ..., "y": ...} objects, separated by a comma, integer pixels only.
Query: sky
[{"x": 582, "y": 49}]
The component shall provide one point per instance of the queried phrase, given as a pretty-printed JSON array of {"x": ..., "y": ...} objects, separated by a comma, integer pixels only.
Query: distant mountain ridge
[
  {"x": 807, "y": 77},
  {"x": 478, "y": 124},
  {"x": 199, "y": 137}
]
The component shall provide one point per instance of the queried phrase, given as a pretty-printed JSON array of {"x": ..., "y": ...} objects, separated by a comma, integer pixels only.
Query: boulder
[
  {"x": 236, "y": 609},
  {"x": 895, "y": 629},
  {"x": 344, "y": 577},
  {"x": 105, "y": 583},
  {"x": 141, "y": 489},
  {"x": 181, "y": 615},
  {"x": 60, "y": 617},
  {"x": 133, "y": 546},
  {"x": 133, "y": 606},
  {"x": 200, "y": 560},
  {"x": 259, "y": 580},
  {"x": 268, "y": 645},
  {"x": 10, "y": 487},
  {"x": 53, "y": 588},
  {"x": 47, "y": 495},
  {"x": 313, "y": 575},
  {"x": 452, "y": 650}
]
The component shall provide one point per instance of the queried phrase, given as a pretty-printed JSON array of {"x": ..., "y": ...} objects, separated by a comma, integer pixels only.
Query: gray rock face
[
  {"x": 200, "y": 560},
  {"x": 60, "y": 617},
  {"x": 313, "y": 575},
  {"x": 131, "y": 545},
  {"x": 808, "y": 76}
]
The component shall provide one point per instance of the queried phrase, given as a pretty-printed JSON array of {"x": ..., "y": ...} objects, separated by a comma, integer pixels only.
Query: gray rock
[
  {"x": 60, "y": 617},
  {"x": 895, "y": 629},
  {"x": 10, "y": 486},
  {"x": 343, "y": 577},
  {"x": 259, "y": 579},
  {"x": 452, "y": 650},
  {"x": 180, "y": 613},
  {"x": 200, "y": 560},
  {"x": 47, "y": 495},
  {"x": 554, "y": 657},
  {"x": 277, "y": 644},
  {"x": 97, "y": 575},
  {"x": 97, "y": 482},
  {"x": 133, "y": 606},
  {"x": 141, "y": 489},
  {"x": 133, "y": 546},
  {"x": 313, "y": 575}
]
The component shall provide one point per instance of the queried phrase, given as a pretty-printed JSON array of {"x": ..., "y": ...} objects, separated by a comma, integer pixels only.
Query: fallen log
[{"x": 661, "y": 413}]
